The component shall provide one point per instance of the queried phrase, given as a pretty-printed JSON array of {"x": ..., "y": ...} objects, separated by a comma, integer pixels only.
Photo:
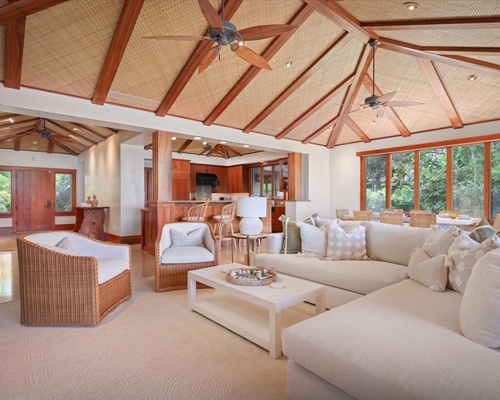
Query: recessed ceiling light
[
  {"x": 288, "y": 64},
  {"x": 411, "y": 5},
  {"x": 246, "y": 145},
  {"x": 205, "y": 143},
  {"x": 75, "y": 129},
  {"x": 472, "y": 77},
  {"x": 174, "y": 138},
  {"x": 223, "y": 142},
  {"x": 71, "y": 136},
  {"x": 197, "y": 138},
  {"x": 35, "y": 142},
  {"x": 11, "y": 120}
]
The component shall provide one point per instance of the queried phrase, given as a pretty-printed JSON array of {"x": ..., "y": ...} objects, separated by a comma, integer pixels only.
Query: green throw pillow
[
  {"x": 291, "y": 234},
  {"x": 482, "y": 231}
]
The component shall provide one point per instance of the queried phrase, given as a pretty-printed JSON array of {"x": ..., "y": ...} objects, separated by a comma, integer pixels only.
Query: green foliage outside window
[
  {"x": 375, "y": 183},
  {"x": 433, "y": 180},
  {"x": 495, "y": 179},
  {"x": 64, "y": 192},
  {"x": 5, "y": 191},
  {"x": 468, "y": 179},
  {"x": 402, "y": 181}
]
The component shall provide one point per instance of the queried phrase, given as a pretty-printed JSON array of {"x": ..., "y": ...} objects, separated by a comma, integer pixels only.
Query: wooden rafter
[
  {"x": 437, "y": 85},
  {"x": 428, "y": 24},
  {"x": 192, "y": 64},
  {"x": 297, "y": 20},
  {"x": 333, "y": 49},
  {"x": 126, "y": 23},
  {"x": 26, "y": 124},
  {"x": 62, "y": 146},
  {"x": 363, "y": 64},
  {"x": 233, "y": 150},
  {"x": 72, "y": 133},
  {"x": 316, "y": 107},
  {"x": 391, "y": 114},
  {"x": 23, "y": 8},
  {"x": 50, "y": 147},
  {"x": 357, "y": 130},
  {"x": 463, "y": 51},
  {"x": 16, "y": 136},
  {"x": 14, "y": 44},
  {"x": 17, "y": 144},
  {"x": 94, "y": 131},
  {"x": 184, "y": 146}
]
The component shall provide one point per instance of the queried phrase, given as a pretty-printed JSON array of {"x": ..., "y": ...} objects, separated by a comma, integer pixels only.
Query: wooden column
[
  {"x": 162, "y": 166},
  {"x": 295, "y": 176}
]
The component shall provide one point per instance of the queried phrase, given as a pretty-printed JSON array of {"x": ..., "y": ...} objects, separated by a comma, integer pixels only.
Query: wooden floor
[{"x": 142, "y": 264}]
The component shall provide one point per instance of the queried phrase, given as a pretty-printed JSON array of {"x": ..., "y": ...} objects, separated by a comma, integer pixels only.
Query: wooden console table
[{"x": 89, "y": 222}]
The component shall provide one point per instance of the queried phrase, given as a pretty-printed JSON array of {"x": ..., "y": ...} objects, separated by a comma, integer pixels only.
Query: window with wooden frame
[
  {"x": 462, "y": 175},
  {"x": 65, "y": 191},
  {"x": 5, "y": 193},
  {"x": 266, "y": 179}
]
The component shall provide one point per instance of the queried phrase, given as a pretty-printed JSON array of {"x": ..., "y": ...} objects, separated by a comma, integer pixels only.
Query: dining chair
[
  {"x": 363, "y": 215},
  {"x": 224, "y": 223},
  {"x": 196, "y": 213},
  {"x": 422, "y": 220},
  {"x": 394, "y": 210},
  {"x": 393, "y": 218},
  {"x": 343, "y": 213}
]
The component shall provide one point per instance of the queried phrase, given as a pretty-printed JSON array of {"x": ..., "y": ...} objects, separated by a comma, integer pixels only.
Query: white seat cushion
[
  {"x": 186, "y": 255},
  {"x": 110, "y": 267}
]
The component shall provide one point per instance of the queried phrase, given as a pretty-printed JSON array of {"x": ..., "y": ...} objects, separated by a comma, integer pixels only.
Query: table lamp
[{"x": 251, "y": 208}]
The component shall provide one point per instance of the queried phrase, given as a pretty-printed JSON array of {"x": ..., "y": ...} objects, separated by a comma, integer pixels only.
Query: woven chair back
[
  {"x": 197, "y": 213},
  {"x": 228, "y": 212},
  {"x": 422, "y": 220},
  {"x": 496, "y": 224},
  {"x": 342, "y": 212},
  {"x": 390, "y": 217},
  {"x": 394, "y": 210},
  {"x": 363, "y": 215}
]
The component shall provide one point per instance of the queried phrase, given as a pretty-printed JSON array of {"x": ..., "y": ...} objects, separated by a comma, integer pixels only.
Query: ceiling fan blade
[
  {"x": 186, "y": 38},
  {"x": 252, "y": 57},
  {"x": 386, "y": 97},
  {"x": 209, "y": 59},
  {"x": 264, "y": 31},
  {"x": 210, "y": 14},
  {"x": 402, "y": 103}
]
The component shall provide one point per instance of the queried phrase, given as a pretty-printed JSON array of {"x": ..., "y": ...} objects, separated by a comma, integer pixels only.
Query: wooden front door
[{"x": 35, "y": 201}]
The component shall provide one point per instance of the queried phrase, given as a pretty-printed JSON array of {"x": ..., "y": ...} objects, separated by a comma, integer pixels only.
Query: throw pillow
[
  {"x": 313, "y": 219},
  {"x": 462, "y": 263},
  {"x": 462, "y": 242},
  {"x": 66, "y": 246},
  {"x": 480, "y": 309},
  {"x": 439, "y": 242},
  {"x": 183, "y": 239},
  {"x": 345, "y": 246},
  {"x": 417, "y": 256},
  {"x": 313, "y": 240},
  {"x": 431, "y": 272},
  {"x": 482, "y": 231},
  {"x": 291, "y": 235}
]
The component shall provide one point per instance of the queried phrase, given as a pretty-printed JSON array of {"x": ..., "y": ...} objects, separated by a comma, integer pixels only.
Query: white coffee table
[{"x": 254, "y": 312}]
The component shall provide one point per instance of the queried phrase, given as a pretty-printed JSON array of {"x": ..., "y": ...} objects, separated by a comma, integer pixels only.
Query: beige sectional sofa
[{"x": 397, "y": 339}]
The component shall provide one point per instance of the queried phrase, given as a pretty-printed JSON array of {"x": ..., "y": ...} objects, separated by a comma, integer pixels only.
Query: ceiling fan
[
  {"x": 207, "y": 148},
  {"x": 379, "y": 102},
  {"x": 225, "y": 33},
  {"x": 44, "y": 132}
]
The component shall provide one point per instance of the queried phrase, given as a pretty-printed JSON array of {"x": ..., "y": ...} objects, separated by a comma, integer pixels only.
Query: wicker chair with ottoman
[{"x": 70, "y": 279}]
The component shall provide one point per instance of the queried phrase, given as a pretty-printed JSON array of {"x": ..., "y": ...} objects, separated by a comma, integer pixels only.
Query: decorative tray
[{"x": 251, "y": 276}]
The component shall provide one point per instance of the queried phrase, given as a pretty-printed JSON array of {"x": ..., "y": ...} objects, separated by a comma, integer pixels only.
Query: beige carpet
[{"x": 150, "y": 347}]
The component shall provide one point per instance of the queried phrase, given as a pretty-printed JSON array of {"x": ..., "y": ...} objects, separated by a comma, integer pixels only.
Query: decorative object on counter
[
  {"x": 94, "y": 202},
  {"x": 88, "y": 201},
  {"x": 251, "y": 276},
  {"x": 251, "y": 209}
]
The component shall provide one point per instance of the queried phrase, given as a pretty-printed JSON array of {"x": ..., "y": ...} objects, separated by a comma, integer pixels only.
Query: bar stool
[
  {"x": 224, "y": 223},
  {"x": 196, "y": 213}
]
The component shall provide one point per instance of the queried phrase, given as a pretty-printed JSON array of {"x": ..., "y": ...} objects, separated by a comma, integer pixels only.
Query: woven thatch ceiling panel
[
  {"x": 210, "y": 87},
  {"x": 65, "y": 46},
  {"x": 448, "y": 37},
  {"x": 149, "y": 67},
  {"x": 144, "y": 104},
  {"x": 337, "y": 69},
  {"x": 485, "y": 91},
  {"x": 388, "y": 10},
  {"x": 301, "y": 49},
  {"x": 347, "y": 136}
]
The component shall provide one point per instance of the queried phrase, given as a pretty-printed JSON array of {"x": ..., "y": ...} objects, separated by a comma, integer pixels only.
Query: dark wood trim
[
  {"x": 487, "y": 181},
  {"x": 297, "y": 20},
  {"x": 13, "y": 52},
  {"x": 64, "y": 227},
  {"x": 362, "y": 183},
  {"x": 7, "y": 230},
  {"x": 22, "y": 8},
  {"x": 128, "y": 18},
  {"x": 462, "y": 50},
  {"x": 135, "y": 239},
  {"x": 357, "y": 130},
  {"x": 428, "y": 24},
  {"x": 388, "y": 182},
  {"x": 449, "y": 178}
]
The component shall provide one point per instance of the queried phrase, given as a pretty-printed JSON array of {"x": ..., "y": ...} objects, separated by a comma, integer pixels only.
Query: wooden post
[
  {"x": 295, "y": 176},
  {"x": 162, "y": 166}
]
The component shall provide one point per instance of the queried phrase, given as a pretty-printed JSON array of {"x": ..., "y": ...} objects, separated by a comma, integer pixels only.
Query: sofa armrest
[{"x": 274, "y": 243}]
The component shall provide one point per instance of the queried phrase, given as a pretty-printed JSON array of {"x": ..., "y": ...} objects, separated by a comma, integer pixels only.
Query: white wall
[{"x": 345, "y": 165}]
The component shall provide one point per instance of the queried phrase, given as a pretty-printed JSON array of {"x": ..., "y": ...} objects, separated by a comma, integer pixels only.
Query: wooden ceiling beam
[
  {"x": 463, "y": 51},
  {"x": 316, "y": 107},
  {"x": 22, "y": 8},
  {"x": 428, "y": 24},
  {"x": 13, "y": 52},
  {"x": 456, "y": 61},
  {"x": 17, "y": 144},
  {"x": 70, "y": 133},
  {"x": 233, "y": 150},
  {"x": 128, "y": 18},
  {"x": 391, "y": 114},
  {"x": 301, "y": 79},
  {"x": 50, "y": 147},
  {"x": 437, "y": 85},
  {"x": 193, "y": 63},
  {"x": 184, "y": 146},
  {"x": 62, "y": 146},
  {"x": 363, "y": 64},
  {"x": 342, "y": 18},
  {"x": 16, "y": 135},
  {"x": 91, "y": 129},
  {"x": 357, "y": 130},
  {"x": 17, "y": 125},
  {"x": 297, "y": 20}
]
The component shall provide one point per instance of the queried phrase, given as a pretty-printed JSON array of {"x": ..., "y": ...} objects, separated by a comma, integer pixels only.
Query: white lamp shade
[{"x": 251, "y": 206}]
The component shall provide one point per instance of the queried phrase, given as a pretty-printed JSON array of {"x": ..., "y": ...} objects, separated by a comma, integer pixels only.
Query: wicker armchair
[
  {"x": 363, "y": 215},
  {"x": 422, "y": 220},
  {"x": 390, "y": 217},
  {"x": 173, "y": 261},
  {"x": 59, "y": 287},
  {"x": 196, "y": 213}
]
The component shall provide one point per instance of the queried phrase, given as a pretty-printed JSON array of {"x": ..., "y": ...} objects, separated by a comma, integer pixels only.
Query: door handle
[{"x": 49, "y": 204}]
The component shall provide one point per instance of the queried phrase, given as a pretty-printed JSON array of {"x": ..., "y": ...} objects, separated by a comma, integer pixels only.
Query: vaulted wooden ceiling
[{"x": 96, "y": 50}]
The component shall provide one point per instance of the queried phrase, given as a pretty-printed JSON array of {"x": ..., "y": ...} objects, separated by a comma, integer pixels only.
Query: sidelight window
[
  {"x": 64, "y": 192},
  {"x": 5, "y": 192}
]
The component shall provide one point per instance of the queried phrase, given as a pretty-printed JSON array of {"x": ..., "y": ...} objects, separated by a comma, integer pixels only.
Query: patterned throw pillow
[
  {"x": 482, "y": 231},
  {"x": 182, "y": 239},
  {"x": 428, "y": 271},
  {"x": 345, "y": 246},
  {"x": 462, "y": 263},
  {"x": 313, "y": 240},
  {"x": 440, "y": 242}
]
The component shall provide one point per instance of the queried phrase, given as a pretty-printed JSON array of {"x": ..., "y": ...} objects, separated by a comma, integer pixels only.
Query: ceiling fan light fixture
[
  {"x": 410, "y": 5},
  {"x": 472, "y": 77},
  {"x": 288, "y": 64}
]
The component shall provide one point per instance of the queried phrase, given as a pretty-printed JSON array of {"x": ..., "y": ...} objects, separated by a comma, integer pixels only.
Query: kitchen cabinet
[
  {"x": 180, "y": 179},
  {"x": 235, "y": 179}
]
